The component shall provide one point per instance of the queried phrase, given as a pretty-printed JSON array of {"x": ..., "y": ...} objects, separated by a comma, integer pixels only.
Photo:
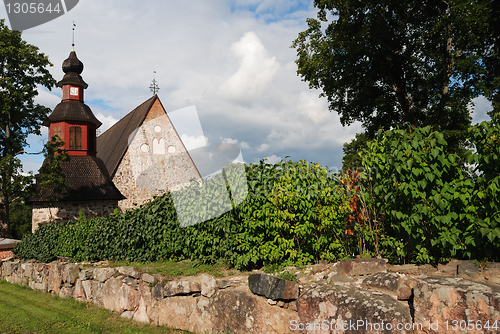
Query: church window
[
  {"x": 57, "y": 131},
  {"x": 158, "y": 146},
  {"x": 75, "y": 138},
  {"x": 171, "y": 149}
]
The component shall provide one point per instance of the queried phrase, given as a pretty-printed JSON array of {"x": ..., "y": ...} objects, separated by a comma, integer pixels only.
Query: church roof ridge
[{"x": 113, "y": 143}]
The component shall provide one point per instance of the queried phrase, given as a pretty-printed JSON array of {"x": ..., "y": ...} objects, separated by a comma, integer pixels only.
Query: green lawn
[{"x": 23, "y": 311}]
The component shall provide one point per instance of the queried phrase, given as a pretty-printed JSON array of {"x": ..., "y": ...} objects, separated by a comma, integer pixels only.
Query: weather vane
[
  {"x": 73, "y": 40},
  {"x": 154, "y": 87}
]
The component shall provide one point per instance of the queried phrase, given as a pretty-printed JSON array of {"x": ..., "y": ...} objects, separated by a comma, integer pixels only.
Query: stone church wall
[
  {"x": 43, "y": 213},
  {"x": 155, "y": 161}
]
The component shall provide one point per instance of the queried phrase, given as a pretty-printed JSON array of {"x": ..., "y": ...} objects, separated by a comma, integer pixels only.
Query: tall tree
[
  {"x": 389, "y": 62},
  {"x": 22, "y": 69}
]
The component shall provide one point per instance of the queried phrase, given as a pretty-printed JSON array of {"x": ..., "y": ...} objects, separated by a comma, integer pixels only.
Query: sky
[{"x": 230, "y": 60}]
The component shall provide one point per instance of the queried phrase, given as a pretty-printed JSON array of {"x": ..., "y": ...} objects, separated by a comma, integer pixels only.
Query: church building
[{"x": 139, "y": 157}]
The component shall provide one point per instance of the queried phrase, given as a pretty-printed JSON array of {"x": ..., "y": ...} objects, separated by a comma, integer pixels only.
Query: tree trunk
[{"x": 4, "y": 220}]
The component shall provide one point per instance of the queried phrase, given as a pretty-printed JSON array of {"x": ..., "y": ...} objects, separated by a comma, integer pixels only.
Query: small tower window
[
  {"x": 91, "y": 141},
  {"x": 57, "y": 132},
  {"x": 75, "y": 138}
]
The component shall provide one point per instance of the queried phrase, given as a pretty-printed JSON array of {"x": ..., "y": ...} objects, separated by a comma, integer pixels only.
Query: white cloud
[
  {"x": 273, "y": 159},
  {"x": 192, "y": 142},
  {"x": 242, "y": 145},
  {"x": 480, "y": 109},
  {"x": 262, "y": 148},
  {"x": 257, "y": 69},
  {"x": 107, "y": 121},
  {"x": 312, "y": 107},
  {"x": 229, "y": 141}
]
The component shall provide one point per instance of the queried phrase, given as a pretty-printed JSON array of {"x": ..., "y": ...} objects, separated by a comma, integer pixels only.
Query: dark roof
[
  {"x": 72, "y": 78},
  {"x": 72, "y": 111},
  {"x": 8, "y": 243},
  {"x": 87, "y": 179},
  {"x": 112, "y": 144},
  {"x": 73, "y": 67}
]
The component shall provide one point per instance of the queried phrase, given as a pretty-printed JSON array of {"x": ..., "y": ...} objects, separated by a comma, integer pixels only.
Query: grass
[
  {"x": 176, "y": 269},
  {"x": 27, "y": 311}
]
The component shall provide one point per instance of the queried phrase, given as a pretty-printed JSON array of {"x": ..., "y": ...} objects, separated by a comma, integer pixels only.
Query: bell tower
[{"x": 72, "y": 120}]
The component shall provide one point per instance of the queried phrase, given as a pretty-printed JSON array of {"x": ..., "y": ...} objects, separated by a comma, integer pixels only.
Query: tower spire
[
  {"x": 73, "y": 39},
  {"x": 154, "y": 87}
]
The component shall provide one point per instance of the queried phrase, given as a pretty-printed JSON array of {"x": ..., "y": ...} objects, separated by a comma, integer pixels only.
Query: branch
[{"x": 24, "y": 152}]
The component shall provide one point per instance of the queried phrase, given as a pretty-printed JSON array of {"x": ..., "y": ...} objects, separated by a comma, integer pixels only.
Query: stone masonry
[
  {"x": 41, "y": 213},
  {"x": 155, "y": 161},
  {"x": 329, "y": 298}
]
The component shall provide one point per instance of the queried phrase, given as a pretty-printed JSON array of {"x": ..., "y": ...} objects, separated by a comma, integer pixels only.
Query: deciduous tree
[
  {"x": 22, "y": 69},
  {"x": 389, "y": 62}
]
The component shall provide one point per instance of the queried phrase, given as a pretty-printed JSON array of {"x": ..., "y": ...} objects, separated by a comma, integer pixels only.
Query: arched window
[
  {"x": 158, "y": 146},
  {"x": 75, "y": 138}
]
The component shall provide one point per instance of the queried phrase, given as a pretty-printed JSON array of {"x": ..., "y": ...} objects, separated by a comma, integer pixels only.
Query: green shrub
[
  {"x": 294, "y": 214},
  {"x": 432, "y": 210},
  {"x": 41, "y": 245}
]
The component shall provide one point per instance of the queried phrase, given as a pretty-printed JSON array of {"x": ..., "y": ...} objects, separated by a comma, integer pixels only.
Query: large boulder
[
  {"x": 103, "y": 274},
  {"x": 393, "y": 284},
  {"x": 111, "y": 294},
  {"x": 55, "y": 278},
  {"x": 348, "y": 309},
  {"x": 357, "y": 267},
  {"x": 230, "y": 310},
  {"x": 452, "y": 304},
  {"x": 129, "y": 271},
  {"x": 71, "y": 273},
  {"x": 78, "y": 292},
  {"x": 129, "y": 298},
  {"x": 273, "y": 287},
  {"x": 180, "y": 288},
  {"x": 86, "y": 274},
  {"x": 209, "y": 285}
]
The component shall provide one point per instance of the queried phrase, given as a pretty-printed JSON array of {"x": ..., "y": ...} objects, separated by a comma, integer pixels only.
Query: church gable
[{"x": 155, "y": 159}]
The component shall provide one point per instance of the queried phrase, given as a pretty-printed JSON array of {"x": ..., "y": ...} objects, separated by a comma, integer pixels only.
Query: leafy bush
[
  {"x": 41, "y": 245},
  {"x": 431, "y": 209},
  {"x": 294, "y": 213}
]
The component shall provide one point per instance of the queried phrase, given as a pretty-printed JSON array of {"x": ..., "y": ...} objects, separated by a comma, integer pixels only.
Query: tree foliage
[
  {"x": 389, "y": 62},
  {"x": 431, "y": 210},
  {"x": 22, "y": 69}
]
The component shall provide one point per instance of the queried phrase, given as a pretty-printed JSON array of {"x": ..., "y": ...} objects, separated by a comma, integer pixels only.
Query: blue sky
[{"x": 230, "y": 59}]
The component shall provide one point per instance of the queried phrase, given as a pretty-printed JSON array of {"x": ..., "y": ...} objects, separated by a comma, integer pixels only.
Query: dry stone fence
[{"x": 351, "y": 296}]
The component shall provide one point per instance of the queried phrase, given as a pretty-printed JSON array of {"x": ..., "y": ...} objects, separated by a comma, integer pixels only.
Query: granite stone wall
[
  {"x": 353, "y": 296},
  {"x": 43, "y": 213}
]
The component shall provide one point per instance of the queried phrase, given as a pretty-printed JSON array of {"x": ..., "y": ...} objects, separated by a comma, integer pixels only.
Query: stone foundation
[
  {"x": 42, "y": 213},
  {"x": 341, "y": 298}
]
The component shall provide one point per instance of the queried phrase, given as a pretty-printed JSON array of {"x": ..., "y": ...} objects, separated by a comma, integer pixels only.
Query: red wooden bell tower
[{"x": 72, "y": 120}]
